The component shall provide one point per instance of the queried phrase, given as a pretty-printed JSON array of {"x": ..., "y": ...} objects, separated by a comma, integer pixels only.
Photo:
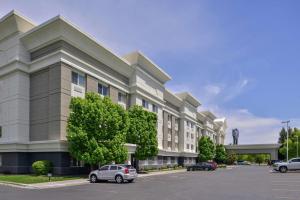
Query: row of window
[
  {"x": 79, "y": 79},
  {"x": 188, "y": 146},
  {"x": 188, "y": 135},
  {"x": 190, "y": 124},
  {"x": 145, "y": 104},
  {"x": 170, "y": 145}
]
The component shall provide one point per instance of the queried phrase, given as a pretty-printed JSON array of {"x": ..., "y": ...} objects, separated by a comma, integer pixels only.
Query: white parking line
[{"x": 288, "y": 190}]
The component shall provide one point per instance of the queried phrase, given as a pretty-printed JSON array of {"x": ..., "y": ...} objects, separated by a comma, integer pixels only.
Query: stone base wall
[{"x": 20, "y": 163}]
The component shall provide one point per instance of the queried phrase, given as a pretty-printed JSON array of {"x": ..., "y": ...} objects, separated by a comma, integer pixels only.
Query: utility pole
[{"x": 287, "y": 138}]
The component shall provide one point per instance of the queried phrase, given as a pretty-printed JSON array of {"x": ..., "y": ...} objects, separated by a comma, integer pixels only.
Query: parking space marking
[{"x": 283, "y": 189}]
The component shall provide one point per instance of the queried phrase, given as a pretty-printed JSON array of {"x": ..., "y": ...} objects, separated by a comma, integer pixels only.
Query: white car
[
  {"x": 292, "y": 164},
  {"x": 119, "y": 173}
]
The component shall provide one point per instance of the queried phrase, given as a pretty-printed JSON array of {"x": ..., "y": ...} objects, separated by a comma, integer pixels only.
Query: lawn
[{"x": 30, "y": 179}]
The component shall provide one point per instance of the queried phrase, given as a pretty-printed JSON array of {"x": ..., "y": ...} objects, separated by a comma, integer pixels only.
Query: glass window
[
  {"x": 74, "y": 78},
  {"x": 119, "y": 168},
  {"x": 104, "y": 168},
  {"x": 121, "y": 97},
  {"x": 113, "y": 167},
  {"x": 78, "y": 79},
  {"x": 102, "y": 89},
  {"x": 145, "y": 104},
  {"x": 0, "y": 131},
  {"x": 192, "y": 147},
  {"x": 187, "y": 146},
  {"x": 187, "y": 134},
  {"x": 154, "y": 108},
  {"x": 169, "y": 144},
  {"x": 192, "y": 136}
]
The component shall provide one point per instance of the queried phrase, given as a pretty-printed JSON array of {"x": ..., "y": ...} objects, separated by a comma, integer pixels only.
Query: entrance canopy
[{"x": 271, "y": 149}]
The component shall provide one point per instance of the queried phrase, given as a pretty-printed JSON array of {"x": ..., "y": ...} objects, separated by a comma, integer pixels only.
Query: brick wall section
[
  {"x": 45, "y": 104},
  {"x": 113, "y": 93},
  {"x": 91, "y": 84}
]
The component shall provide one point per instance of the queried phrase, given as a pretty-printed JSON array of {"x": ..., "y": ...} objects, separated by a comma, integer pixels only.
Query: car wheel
[
  {"x": 93, "y": 178},
  {"x": 131, "y": 181},
  {"x": 283, "y": 169},
  {"x": 119, "y": 179}
]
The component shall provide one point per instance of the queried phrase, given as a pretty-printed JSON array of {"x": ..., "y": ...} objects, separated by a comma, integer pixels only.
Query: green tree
[
  {"x": 259, "y": 158},
  {"x": 96, "y": 130},
  {"x": 221, "y": 154},
  {"x": 282, "y": 136},
  {"x": 142, "y": 132},
  {"x": 206, "y": 149},
  {"x": 231, "y": 158},
  {"x": 294, "y": 138}
]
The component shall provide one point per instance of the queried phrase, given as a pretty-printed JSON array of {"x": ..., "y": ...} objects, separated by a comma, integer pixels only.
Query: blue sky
[{"x": 239, "y": 58}]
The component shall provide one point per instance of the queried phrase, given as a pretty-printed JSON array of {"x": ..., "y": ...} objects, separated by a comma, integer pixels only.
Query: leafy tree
[
  {"x": 259, "y": 158},
  {"x": 96, "y": 130},
  {"x": 142, "y": 132},
  {"x": 231, "y": 158},
  {"x": 292, "y": 144},
  {"x": 282, "y": 136},
  {"x": 221, "y": 154},
  {"x": 206, "y": 149}
]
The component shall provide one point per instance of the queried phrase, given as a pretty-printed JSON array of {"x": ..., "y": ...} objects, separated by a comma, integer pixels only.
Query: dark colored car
[
  {"x": 214, "y": 165},
  {"x": 201, "y": 166}
]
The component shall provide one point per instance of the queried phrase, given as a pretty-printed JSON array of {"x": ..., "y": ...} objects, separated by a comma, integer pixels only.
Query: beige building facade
[{"x": 43, "y": 66}]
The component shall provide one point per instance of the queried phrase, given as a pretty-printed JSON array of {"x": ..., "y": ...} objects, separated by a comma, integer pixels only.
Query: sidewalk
[{"x": 75, "y": 182}]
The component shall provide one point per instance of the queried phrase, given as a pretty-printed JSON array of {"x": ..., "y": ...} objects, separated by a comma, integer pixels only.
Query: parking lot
[{"x": 239, "y": 183}]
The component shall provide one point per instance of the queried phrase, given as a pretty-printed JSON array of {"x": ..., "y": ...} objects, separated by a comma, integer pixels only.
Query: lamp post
[
  {"x": 297, "y": 146},
  {"x": 287, "y": 138}
]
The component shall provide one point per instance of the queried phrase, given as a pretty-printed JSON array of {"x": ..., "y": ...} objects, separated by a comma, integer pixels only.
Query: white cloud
[{"x": 212, "y": 90}]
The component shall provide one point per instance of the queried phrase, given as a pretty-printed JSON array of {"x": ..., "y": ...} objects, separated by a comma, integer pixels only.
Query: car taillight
[{"x": 126, "y": 171}]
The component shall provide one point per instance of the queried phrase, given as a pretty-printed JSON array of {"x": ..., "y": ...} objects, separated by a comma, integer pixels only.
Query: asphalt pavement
[{"x": 240, "y": 183}]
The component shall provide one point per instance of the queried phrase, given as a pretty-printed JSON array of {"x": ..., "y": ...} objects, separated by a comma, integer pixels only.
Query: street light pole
[
  {"x": 297, "y": 146},
  {"x": 287, "y": 138}
]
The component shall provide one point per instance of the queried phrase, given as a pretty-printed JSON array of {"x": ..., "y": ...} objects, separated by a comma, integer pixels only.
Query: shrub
[{"x": 42, "y": 167}]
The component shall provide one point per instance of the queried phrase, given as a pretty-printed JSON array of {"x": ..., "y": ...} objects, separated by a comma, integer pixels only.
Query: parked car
[
  {"x": 292, "y": 164},
  {"x": 214, "y": 165},
  {"x": 272, "y": 162},
  {"x": 119, "y": 173},
  {"x": 243, "y": 162},
  {"x": 201, "y": 166}
]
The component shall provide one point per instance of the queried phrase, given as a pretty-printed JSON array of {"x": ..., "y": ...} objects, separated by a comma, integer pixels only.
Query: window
[
  {"x": 121, "y": 97},
  {"x": 154, "y": 108},
  {"x": 119, "y": 168},
  {"x": 192, "y": 147},
  {"x": 187, "y": 123},
  {"x": 176, "y": 145},
  {"x": 169, "y": 118},
  {"x": 169, "y": 144},
  {"x": 113, "y": 167},
  {"x": 78, "y": 79},
  {"x": 145, "y": 104},
  {"x": 187, "y": 146},
  {"x": 0, "y": 131},
  {"x": 192, "y": 136},
  {"x": 102, "y": 89},
  {"x": 187, "y": 134},
  {"x": 104, "y": 168},
  {"x": 192, "y": 125}
]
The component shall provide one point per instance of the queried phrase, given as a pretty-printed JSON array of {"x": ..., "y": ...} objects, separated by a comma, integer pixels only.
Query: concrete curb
[{"x": 60, "y": 184}]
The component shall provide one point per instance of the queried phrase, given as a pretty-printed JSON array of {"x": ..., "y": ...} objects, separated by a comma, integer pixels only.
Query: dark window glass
[
  {"x": 145, "y": 103},
  {"x": 81, "y": 80},
  {"x": 113, "y": 167},
  {"x": 0, "y": 131},
  {"x": 119, "y": 168},
  {"x": 103, "y": 90},
  {"x": 104, "y": 168},
  {"x": 74, "y": 78}
]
